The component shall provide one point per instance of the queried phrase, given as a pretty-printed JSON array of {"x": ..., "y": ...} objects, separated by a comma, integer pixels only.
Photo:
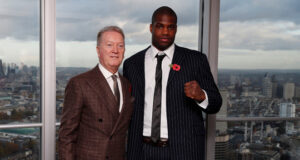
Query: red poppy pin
[{"x": 175, "y": 67}]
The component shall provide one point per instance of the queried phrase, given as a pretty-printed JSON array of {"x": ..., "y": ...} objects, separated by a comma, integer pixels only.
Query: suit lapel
[
  {"x": 140, "y": 69},
  {"x": 177, "y": 59},
  {"x": 101, "y": 87}
]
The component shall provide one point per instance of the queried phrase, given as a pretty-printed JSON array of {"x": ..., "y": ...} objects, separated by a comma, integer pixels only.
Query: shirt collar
[
  {"x": 105, "y": 72},
  {"x": 169, "y": 51}
]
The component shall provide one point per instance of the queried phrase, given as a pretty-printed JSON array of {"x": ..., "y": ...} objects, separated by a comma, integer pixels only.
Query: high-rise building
[
  {"x": 287, "y": 110},
  {"x": 1, "y": 70},
  {"x": 267, "y": 86},
  {"x": 222, "y": 147},
  {"x": 297, "y": 92},
  {"x": 222, "y": 126},
  {"x": 279, "y": 89},
  {"x": 288, "y": 90},
  {"x": 274, "y": 86}
]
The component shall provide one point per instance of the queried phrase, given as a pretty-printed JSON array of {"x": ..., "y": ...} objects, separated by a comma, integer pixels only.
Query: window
[
  {"x": 20, "y": 87},
  {"x": 259, "y": 80}
]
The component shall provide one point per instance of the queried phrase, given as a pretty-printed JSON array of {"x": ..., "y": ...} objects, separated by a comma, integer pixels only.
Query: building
[
  {"x": 1, "y": 69},
  {"x": 297, "y": 92},
  {"x": 288, "y": 90},
  {"x": 267, "y": 86},
  {"x": 221, "y": 127},
  {"x": 222, "y": 147},
  {"x": 287, "y": 110}
]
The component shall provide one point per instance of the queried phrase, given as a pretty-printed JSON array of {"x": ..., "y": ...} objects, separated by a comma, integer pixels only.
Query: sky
[{"x": 254, "y": 34}]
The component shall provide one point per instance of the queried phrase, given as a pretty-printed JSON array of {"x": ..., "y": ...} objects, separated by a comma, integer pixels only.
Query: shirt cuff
[{"x": 204, "y": 103}]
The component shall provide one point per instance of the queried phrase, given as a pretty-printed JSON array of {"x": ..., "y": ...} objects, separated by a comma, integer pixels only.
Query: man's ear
[
  {"x": 150, "y": 28},
  {"x": 98, "y": 51}
]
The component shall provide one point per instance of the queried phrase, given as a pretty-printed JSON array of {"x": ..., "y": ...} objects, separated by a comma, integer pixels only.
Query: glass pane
[
  {"x": 78, "y": 23},
  {"x": 19, "y": 61},
  {"x": 259, "y": 75},
  {"x": 20, "y": 144}
]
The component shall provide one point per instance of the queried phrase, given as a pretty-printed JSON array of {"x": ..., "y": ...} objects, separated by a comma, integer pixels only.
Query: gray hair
[{"x": 107, "y": 29}]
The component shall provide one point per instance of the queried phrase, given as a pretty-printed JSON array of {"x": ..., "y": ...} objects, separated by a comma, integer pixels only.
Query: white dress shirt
[
  {"x": 150, "y": 65},
  {"x": 107, "y": 75}
]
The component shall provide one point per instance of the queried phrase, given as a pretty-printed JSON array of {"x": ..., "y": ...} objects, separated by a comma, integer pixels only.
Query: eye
[
  {"x": 159, "y": 26},
  {"x": 121, "y": 45},
  {"x": 109, "y": 44},
  {"x": 172, "y": 27}
]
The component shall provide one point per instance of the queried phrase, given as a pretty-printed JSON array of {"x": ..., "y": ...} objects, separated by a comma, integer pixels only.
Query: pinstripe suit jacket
[
  {"x": 91, "y": 126},
  {"x": 186, "y": 132}
]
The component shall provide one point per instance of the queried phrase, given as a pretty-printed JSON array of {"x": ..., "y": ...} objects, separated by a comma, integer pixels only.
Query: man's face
[
  {"x": 163, "y": 31},
  {"x": 111, "y": 50}
]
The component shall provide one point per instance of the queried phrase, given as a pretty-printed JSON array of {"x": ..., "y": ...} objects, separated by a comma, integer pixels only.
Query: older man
[{"x": 97, "y": 105}]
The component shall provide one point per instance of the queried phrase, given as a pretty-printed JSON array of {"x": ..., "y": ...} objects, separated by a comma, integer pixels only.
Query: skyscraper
[
  {"x": 287, "y": 110},
  {"x": 1, "y": 69},
  {"x": 222, "y": 126},
  {"x": 267, "y": 86},
  {"x": 288, "y": 90}
]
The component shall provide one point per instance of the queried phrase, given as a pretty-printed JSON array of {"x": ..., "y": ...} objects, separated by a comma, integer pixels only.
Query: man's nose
[
  {"x": 165, "y": 30},
  {"x": 115, "y": 49}
]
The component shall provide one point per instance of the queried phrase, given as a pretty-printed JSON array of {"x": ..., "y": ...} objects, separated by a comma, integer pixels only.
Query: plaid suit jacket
[{"x": 91, "y": 126}]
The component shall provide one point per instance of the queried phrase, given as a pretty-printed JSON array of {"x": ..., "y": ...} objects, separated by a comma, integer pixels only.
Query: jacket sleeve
[
  {"x": 210, "y": 87},
  {"x": 70, "y": 121}
]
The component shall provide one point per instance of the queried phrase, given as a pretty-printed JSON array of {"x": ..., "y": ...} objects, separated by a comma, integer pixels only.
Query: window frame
[
  {"x": 210, "y": 45},
  {"x": 48, "y": 78},
  {"x": 208, "y": 41},
  {"x": 209, "y": 13}
]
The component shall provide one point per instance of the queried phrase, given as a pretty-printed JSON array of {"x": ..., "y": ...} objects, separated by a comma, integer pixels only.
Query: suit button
[
  {"x": 100, "y": 120},
  {"x": 106, "y": 157}
]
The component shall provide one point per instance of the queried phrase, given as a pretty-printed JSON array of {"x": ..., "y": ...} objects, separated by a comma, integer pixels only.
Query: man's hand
[{"x": 194, "y": 91}]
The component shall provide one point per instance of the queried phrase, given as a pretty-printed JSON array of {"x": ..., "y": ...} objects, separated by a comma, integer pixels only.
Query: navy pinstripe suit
[{"x": 186, "y": 132}]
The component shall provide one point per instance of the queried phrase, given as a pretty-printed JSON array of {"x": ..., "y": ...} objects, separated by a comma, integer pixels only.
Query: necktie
[
  {"x": 155, "y": 128},
  {"x": 116, "y": 89}
]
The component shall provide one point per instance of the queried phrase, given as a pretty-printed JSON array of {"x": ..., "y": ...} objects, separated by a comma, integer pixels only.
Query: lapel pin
[{"x": 175, "y": 67}]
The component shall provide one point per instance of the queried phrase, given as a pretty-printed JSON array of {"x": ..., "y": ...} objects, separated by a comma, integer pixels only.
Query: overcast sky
[{"x": 254, "y": 34}]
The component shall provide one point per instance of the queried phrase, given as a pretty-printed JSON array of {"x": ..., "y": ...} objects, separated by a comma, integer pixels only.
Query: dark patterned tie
[
  {"x": 155, "y": 129},
  {"x": 116, "y": 89}
]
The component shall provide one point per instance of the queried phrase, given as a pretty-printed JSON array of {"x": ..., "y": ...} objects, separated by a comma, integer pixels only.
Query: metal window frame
[
  {"x": 48, "y": 79},
  {"x": 48, "y": 76},
  {"x": 208, "y": 44}
]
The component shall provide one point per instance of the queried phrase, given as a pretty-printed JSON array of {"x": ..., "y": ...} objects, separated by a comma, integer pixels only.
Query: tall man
[
  {"x": 172, "y": 85},
  {"x": 97, "y": 106}
]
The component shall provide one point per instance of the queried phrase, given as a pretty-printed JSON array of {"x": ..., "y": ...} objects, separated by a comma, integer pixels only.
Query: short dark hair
[
  {"x": 163, "y": 10},
  {"x": 107, "y": 29}
]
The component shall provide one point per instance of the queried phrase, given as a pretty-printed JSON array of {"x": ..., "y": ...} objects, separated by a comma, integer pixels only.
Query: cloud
[
  {"x": 18, "y": 51},
  {"x": 251, "y": 30},
  {"x": 19, "y": 19},
  {"x": 271, "y": 10},
  {"x": 131, "y": 15},
  {"x": 260, "y": 35}
]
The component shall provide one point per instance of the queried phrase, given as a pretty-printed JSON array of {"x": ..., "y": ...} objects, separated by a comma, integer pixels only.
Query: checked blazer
[
  {"x": 186, "y": 131},
  {"x": 92, "y": 128}
]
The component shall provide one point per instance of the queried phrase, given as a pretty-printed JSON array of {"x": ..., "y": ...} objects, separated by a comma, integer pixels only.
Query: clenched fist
[{"x": 194, "y": 91}]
